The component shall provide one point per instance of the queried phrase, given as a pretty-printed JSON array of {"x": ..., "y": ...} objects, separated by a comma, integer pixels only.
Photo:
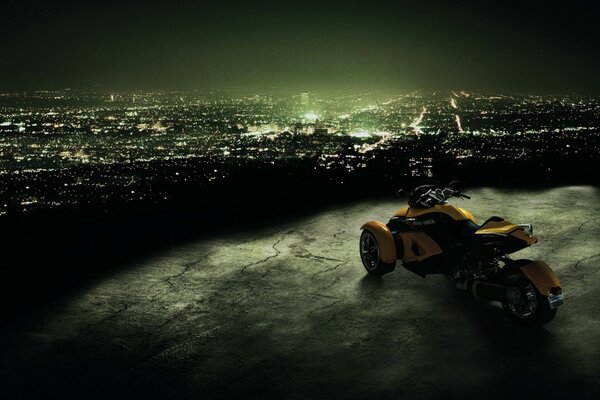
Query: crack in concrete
[
  {"x": 337, "y": 240},
  {"x": 249, "y": 282},
  {"x": 339, "y": 232},
  {"x": 325, "y": 307},
  {"x": 122, "y": 346},
  {"x": 184, "y": 270},
  {"x": 277, "y": 252},
  {"x": 317, "y": 257},
  {"x": 328, "y": 321},
  {"x": 325, "y": 296},
  {"x": 582, "y": 224},
  {"x": 327, "y": 270},
  {"x": 335, "y": 280},
  {"x": 332, "y": 316},
  {"x": 93, "y": 325},
  {"x": 576, "y": 266},
  {"x": 168, "y": 320}
]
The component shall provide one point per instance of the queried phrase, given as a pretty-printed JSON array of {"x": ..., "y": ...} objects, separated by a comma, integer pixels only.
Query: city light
[
  {"x": 54, "y": 156},
  {"x": 361, "y": 134},
  {"x": 458, "y": 124},
  {"x": 311, "y": 116}
]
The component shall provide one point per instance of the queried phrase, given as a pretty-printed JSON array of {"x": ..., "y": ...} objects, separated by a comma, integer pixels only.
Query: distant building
[{"x": 304, "y": 98}]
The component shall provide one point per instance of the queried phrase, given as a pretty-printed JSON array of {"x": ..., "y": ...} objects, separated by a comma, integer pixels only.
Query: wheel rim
[
  {"x": 526, "y": 302},
  {"x": 369, "y": 251}
]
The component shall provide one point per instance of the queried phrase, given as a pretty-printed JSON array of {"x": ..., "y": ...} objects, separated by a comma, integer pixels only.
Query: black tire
[
  {"x": 370, "y": 255},
  {"x": 533, "y": 308}
]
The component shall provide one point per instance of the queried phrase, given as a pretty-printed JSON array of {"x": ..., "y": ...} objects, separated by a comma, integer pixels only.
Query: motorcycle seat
[{"x": 494, "y": 218}]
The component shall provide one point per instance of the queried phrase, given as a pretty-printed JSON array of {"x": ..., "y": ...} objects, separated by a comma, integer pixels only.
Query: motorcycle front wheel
[
  {"x": 529, "y": 306},
  {"x": 371, "y": 256}
]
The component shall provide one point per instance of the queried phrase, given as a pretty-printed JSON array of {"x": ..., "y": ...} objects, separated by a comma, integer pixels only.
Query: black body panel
[
  {"x": 457, "y": 239},
  {"x": 444, "y": 230},
  {"x": 397, "y": 224},
  {"x": 439, "y": 264}
]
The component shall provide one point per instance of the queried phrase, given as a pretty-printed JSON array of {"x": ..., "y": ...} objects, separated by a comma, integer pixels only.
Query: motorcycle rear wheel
[
  {"x": 532, "y": 307},
  {"x": 371, "y": 256}
]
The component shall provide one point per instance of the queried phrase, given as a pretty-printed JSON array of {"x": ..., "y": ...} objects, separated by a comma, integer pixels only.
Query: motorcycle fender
[
  {"x": 418, "y": 246},
  {"x": 529, "y": 239},
  {"x": 541, "y": 275},
  {"x": 385, "y": 240}
]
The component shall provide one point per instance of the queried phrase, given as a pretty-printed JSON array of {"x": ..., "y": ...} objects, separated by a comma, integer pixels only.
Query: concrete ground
[{"x": 289, "y": 312}]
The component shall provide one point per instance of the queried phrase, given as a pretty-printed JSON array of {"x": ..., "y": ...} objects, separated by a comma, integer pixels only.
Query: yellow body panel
[
  {"x": 455, "y": 213},
  {"x": 503, "y": 227},
  {"x": 385, "y": 240},
  {"x": 506, "y": 228},
  {"x": 424, "y": 245},
  {"x": 401, "y": 212},
  {"x": 467, "y": 214},
  {"x": 541, "y": 275}
]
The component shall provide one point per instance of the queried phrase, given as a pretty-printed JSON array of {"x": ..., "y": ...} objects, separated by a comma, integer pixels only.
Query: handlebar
[{"x": 440, "y": 196}]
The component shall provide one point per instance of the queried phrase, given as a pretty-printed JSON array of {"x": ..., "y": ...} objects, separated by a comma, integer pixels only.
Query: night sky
[{"x": 500, "y": 46}]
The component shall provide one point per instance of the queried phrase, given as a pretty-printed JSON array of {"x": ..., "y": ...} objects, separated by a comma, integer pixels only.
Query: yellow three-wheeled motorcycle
[{"x": 434, "y": 237}]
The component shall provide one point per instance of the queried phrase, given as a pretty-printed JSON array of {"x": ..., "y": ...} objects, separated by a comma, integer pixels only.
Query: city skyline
[{"x": 68, "y": 149}]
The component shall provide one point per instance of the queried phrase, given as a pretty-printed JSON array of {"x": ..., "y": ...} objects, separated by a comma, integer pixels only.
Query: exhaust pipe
[{"x": 486, "y": 291}]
